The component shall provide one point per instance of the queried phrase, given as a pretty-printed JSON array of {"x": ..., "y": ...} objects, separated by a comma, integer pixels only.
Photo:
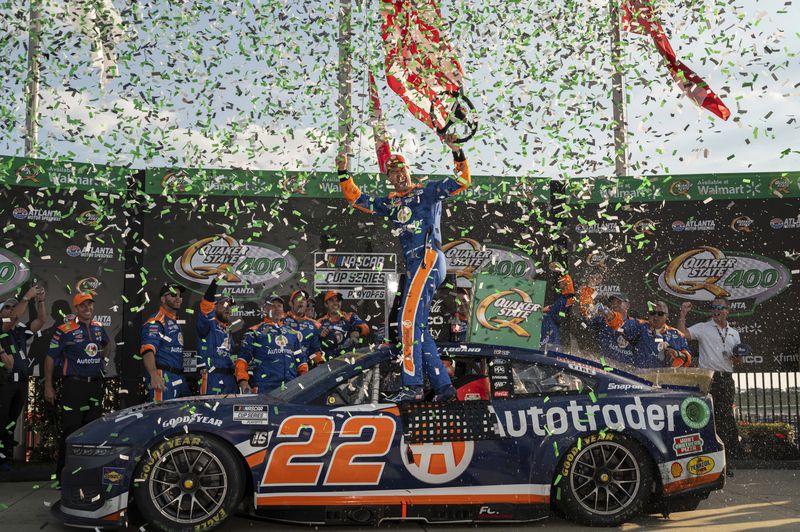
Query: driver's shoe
[
  {"x": 445, "y": 395},
  {"x": 408, "y": 394}
]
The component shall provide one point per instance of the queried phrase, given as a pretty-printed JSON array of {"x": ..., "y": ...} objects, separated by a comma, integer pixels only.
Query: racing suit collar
[
  {"x": 270, "y": 321},
  {"x": 296, "y": 316},
  {"x": 167, "y": 313},
  {"x": 395, "y": 194},
  {"x": 333, "y": 319}
]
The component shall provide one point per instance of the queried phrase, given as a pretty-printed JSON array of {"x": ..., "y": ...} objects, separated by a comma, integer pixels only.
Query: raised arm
[
  {"x": 461, "y": 179},
  {"x": 353, "y": 194},
  {"x": 686, "y": 306}
]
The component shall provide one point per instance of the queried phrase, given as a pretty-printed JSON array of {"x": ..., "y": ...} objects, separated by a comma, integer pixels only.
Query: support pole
[
  {"x": 345, "y": 78},
  {"x": 618, "y": 93},
  {"x": 32, "y": 93}
]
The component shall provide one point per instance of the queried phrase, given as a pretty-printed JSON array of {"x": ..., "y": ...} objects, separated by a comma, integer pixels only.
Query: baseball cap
[
  {"x": 622, "y": 296},
  {"x": 171, "y": 289},
  {"x": 10, "y": 302},
  {"x": 298, "y": 293},
  {"x": 331, "y": 294},
  {"x": 80, "y": 297},
  {"x": 273, "y": 297}
]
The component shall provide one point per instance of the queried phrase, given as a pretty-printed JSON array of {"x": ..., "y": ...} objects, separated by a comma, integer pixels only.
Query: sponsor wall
[
  {"x": 62, "y": 229},
  {"x": 692, "y": 238}
]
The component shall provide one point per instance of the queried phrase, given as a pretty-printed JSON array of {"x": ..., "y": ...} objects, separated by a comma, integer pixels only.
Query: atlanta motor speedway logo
[
  {"x": 246, "y": 270},
  {"x": 507, "y": 309},
  {"x": 705, "y": 272}
]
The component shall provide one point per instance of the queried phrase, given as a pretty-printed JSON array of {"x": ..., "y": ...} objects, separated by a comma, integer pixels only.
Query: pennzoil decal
[
  {"x": 507, "y": 309},
  {"x": 248, "y": 269},
  {"x": 700, "y": 465},
  {"x": 706, "y": 272}
]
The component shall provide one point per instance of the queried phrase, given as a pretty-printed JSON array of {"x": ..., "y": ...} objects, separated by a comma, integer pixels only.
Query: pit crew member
[
  {"x": 215, "y": 343},
  {"x": 162, "y": 348},
  {"x": 339, "y": 331}
]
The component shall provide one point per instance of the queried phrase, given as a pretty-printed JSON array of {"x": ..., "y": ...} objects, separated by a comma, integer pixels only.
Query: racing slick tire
[
  {"x": 605, "y": 479},
  {"x": 190, "y": 482}
]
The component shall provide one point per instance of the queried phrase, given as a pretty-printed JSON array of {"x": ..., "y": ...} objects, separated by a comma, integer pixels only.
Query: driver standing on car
[
  {"x": 81, "y": 347},
  {"x": 162, "y": 348},
  {"x": 272, "y": 349}
]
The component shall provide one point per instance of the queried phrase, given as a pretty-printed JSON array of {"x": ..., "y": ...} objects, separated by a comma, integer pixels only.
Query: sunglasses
[
  {"x": 718, "y": 307},
  {"x": 656, "y": 312}
]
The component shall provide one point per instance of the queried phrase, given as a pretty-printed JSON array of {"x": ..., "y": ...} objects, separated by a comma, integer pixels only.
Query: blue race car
[{"x": 530, "y": 433}]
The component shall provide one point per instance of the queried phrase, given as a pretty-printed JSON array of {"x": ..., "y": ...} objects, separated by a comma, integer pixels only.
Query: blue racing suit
[
  {"x": 556, "y": 313},
  {"x": 275, "y": 353},
  {"x": 215, "y": 346},
  {"x": 309, "y": 332},
  {"x": 162, "y": 334},
  {"x": 337, "y": 331},
  {"x": 416, "y": 216},
  {"x": 649, "y": 344}
]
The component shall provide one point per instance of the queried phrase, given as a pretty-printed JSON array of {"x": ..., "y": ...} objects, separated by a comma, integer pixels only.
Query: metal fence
[{"x": 768, "y": 397}]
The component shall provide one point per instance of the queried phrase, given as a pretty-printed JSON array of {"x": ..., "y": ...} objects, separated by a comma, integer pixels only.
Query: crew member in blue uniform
[
  {"x": 415, "y": 212},
  {"x": 80, "y": 349},
  {"x": 215, "y": 343},
  {"x": 297, "y": 319},
  {"x": 556, "y": 315},
  {"x": 339, "y": 331},
  {"x": 273, "y": 351},
  {"x": 655, "y": 344},
  {"x": 612, "y": 343},
  {"x": 162, "y": 348}
]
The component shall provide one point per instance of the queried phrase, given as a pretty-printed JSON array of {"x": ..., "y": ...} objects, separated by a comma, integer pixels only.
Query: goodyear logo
[
  {"x": 507, "y": 309},
  {"x": 705, "y": 272},
  {"x": 246, "y": 270},
  {"x": 700, "y": 465}
]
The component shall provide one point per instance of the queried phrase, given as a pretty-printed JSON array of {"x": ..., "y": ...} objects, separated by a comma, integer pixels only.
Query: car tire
[
  {"x": 604, "y": 480},
  {"x": 190, "y": 482}
]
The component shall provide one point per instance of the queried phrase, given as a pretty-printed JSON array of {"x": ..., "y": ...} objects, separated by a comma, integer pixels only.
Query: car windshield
[{"x": 313, "y": 378}]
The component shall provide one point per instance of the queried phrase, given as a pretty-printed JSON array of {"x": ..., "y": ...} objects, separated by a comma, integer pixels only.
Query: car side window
[
  {"x": 531, "y": 379},
  {"x": 357, "y": 390}
]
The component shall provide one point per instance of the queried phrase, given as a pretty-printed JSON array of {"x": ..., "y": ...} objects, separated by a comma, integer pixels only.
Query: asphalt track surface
[{"x": 754, "y": 499}]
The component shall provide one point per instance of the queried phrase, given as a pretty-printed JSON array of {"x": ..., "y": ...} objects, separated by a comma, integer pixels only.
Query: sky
[{"x": 253, "y": 85}]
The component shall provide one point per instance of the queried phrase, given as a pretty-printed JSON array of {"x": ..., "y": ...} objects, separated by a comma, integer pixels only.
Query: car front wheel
[
  {"x": 605, "y": 480},
  {"x": 190, "y": 482}
]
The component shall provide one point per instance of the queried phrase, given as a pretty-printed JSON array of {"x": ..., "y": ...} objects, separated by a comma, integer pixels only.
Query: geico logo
[
  {"x": 558, "y": 420},
  {"x": 753, "y": 359}
]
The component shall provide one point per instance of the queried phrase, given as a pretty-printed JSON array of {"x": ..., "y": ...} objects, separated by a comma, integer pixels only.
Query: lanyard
[{"x": 722, "y": 338}]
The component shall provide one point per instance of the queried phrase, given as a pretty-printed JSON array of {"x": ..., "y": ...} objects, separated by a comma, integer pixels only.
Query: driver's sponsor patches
[
  {"x": 251, "y": 414},
  {"x": 688, "y": 444}
]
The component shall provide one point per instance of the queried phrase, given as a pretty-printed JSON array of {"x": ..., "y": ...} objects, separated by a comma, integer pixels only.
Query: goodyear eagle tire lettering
[
  {"x": 604, "y": 480},
  {"x": 183, "y": 474}
]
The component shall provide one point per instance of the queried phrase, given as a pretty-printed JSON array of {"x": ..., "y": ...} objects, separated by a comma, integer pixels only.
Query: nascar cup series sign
[
  {"x": 705, "y": 272},
  {"x": 248, "y": 271}
]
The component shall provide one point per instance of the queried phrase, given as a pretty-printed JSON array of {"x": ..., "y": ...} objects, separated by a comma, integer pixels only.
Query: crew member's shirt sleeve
[
  {"x": 56, "y": 344},
  {"x": 104, "y": 339},
  {"x": 698, "y": 331},
  {"x": 359, "y": 325},
  {"x": 151, "y": 337},
  {"x": 203, "y": 322}
]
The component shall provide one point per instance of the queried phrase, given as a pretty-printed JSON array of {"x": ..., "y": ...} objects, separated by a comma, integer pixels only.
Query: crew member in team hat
[
  {"x": 80, "y": 348},
  {"x": 339, "y": 331},
  {"x": 309, "y": 329},
  {"x": 162, "y": 347},
  {"x": 215, "y": 343},
  {"x": 271, "y": 350}
]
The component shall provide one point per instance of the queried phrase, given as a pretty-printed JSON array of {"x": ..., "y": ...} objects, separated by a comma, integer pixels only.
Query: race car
[{"x": 530, "y": 433}]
